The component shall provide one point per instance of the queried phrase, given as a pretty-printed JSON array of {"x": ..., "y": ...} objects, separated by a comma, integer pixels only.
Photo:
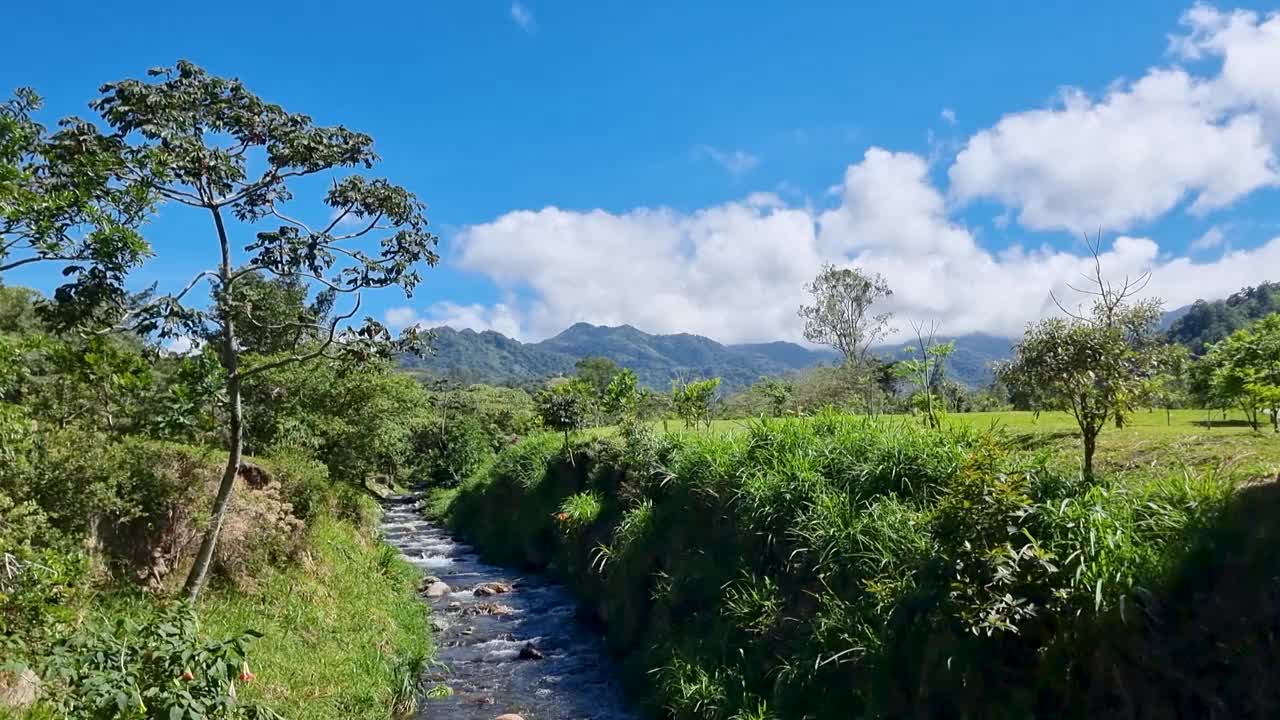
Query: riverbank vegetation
[
  {"x": 838, "y": 566},
  {"x": 892, "y": 555},
  {"x": 154, "y": 443}
]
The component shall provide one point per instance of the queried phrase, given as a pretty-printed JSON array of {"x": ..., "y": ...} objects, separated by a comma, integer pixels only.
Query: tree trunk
[
  {"x": 235, "y": 426},
  {"x": 1090, "y": 445},
  {"x": 204, "y": 558},
  {"x": 1168, "y": 417}
]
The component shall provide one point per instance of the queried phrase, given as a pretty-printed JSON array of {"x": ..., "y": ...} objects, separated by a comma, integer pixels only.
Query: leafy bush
[
  {"x": 153, "y": 667},
  {"x": 39, "y": 578},
  {"x": 451, "y": 449}
]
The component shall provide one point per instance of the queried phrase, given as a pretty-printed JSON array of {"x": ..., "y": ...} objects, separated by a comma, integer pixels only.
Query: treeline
[{"x": 1210, "y": 321}]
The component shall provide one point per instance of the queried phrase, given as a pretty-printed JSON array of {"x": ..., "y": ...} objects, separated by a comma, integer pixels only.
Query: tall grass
[
  {"x": 842, "y": 567},
  {"x": 345, "y": 635}
]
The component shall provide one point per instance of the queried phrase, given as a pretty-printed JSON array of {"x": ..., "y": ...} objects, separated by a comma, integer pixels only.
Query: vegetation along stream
[{"x": 507, "y": 643}]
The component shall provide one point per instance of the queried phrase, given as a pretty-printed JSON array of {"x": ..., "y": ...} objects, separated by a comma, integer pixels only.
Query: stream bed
[{"x": 506, "y": 642}]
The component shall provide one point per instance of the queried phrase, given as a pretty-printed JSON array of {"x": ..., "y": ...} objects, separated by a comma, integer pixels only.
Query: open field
[{"x": 1149, "y": 441}]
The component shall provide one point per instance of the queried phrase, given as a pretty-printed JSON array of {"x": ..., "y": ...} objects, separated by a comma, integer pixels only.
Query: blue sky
[{"x": 686, "y": 166}]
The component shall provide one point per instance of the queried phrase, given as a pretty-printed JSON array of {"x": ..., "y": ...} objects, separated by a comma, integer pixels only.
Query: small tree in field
[
  {"x": 924, "y": 368},
  {"x": 1245, "y": 369},
  {"x": 565, "y": 408},
  {"x": 1168, "y": 388},
  {"x": 187, "y": 139},
  {"x": 840, "y": 316},
  {"x": 694, "y": 401},
  {"x": 622, "y": 395},
  {"x": 1094, "y": 363},
  {"x": 776, "y": 393}
]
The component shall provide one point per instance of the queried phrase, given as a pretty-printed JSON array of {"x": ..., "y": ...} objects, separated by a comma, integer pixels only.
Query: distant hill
[
  {"x": 1206, "y": 322},
  {"x": 490, "y": 357}
]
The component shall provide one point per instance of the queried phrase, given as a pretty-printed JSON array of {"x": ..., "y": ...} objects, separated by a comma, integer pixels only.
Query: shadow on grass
[
  {"x": 1211, "y": 424},
  {"x": 1206, "y": 644},
  {"x": 1036, "y": 440}
]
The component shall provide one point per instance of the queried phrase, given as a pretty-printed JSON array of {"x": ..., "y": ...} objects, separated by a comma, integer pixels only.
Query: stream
[{"x": 506, "y": 642}]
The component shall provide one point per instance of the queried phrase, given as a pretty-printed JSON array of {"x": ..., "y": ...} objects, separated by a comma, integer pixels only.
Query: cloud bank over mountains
[{"x": 1195, "y": 135}]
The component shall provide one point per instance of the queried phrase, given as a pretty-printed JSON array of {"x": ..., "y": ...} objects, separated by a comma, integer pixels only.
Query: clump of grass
[
  {"x": 343, "y": 629},
  {"x": 579, "y": 510}
]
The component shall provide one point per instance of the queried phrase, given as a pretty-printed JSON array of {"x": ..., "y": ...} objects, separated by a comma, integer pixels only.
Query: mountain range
[{"x": 490, "y": 357}]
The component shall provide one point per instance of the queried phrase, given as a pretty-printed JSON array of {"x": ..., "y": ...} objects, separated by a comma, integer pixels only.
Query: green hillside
[{"x": 469, "y": 357}]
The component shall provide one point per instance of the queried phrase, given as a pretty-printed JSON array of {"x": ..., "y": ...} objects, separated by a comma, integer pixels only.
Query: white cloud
[
  {"x": 1128, "y": 157},
  {"x": 735, "y": 271},
  {"x": 1212, "y": 238},
  {"x": 1143, "y": 147},
  {"x": 949, "y": 116},
  {"x": 346, "y": 220},
  {"x": 183, "y": 345},
  {"x": 736, "y": 162},
  {"x": 1248, "y": 46},
  {"x": 523, "y": 17},
  {"x": 499, "y": 318}
]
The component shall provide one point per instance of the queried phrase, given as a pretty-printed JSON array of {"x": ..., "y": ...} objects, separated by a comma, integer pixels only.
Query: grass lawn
[{"x": 1150, "y": 441}]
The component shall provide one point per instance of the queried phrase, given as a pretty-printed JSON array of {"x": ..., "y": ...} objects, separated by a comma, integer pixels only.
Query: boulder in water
[
  {"x": 437, "y": 589},
  {"x": 509, "y": 716},
  {"x": 491, "y": 588},
  {"x": 488, "y": 608},
  {"x": 529, "y": 652}
]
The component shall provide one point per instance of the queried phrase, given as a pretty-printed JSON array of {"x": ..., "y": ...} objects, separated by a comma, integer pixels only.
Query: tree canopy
[
  {"x": 840, "y": 316},
  {"x": 185, "y": 138}
]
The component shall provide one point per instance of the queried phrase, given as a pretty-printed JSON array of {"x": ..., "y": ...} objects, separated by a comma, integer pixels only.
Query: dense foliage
[
  {"x": 1209, "y": 321},
  {"x": 838, "y": 567},
  {"x": 1244, "y": 370},
  {"x": 110, "y": 451}
]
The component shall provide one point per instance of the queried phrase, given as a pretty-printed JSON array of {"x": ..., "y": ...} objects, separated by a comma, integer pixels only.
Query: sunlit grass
[
  {"x": 343, "y": 628},
  {"x": 1150, "y": 440}
]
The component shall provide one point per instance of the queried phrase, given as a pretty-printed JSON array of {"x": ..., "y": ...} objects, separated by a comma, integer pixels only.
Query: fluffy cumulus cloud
[
  {"x": 736, "y": 271},
  {"x": 1143, "y": 147}
]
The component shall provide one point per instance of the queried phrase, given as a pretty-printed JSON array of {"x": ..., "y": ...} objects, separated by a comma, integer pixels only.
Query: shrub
[
  {"x": 153, "y": 667},
  {"x": 39, "y": 577},
  {"x": 450, "y": 450}
]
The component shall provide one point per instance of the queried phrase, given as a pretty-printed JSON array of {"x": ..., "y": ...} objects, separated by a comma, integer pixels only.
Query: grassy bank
[
  {"x": 837, "y": 568},
  {"x": 344, "y": 630}
]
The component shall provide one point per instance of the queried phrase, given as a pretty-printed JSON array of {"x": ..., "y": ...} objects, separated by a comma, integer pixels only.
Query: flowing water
[{"x": 522, "y": 651}]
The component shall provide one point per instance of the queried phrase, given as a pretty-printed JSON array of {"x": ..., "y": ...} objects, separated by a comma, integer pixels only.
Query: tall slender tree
[{"x": 189, "y": 139}]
